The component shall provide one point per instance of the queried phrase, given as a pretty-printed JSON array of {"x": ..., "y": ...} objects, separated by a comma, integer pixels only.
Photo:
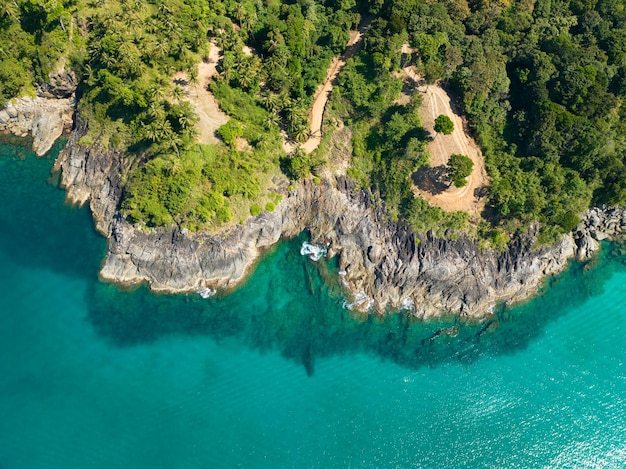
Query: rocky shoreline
[
  {"x": 385, "y": 266},
  {"x": 45, "y": 116}
]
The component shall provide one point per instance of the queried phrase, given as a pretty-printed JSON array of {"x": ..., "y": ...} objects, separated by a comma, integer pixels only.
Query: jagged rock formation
[
  {"x": 92, "y": 174},
  {"x": 597, "y": 225},
  {"x": 45, "y": 116},
  {"x": 384, "y": 264}
]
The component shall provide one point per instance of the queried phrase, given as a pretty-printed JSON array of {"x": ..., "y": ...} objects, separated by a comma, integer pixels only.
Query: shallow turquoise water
[{"x": 278, "y": 374}]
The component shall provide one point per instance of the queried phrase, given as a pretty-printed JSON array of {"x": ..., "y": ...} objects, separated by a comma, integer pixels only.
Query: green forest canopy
[{"x": 541, "y": 82}]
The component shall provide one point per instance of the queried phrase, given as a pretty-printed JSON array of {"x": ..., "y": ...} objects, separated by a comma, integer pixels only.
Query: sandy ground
[
  {"x": 436, "y": 102},
  {"x": 316, "y": 114},
  {"x": 428, "y": 183},
  {"x": 202, "y": 100}
]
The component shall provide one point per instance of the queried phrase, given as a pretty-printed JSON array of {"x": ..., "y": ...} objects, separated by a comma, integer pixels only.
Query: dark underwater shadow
[
  {"x": 290, "y": 304},
  {"x": 37, "y": 229},
  {"x": 294, "y": 306}
]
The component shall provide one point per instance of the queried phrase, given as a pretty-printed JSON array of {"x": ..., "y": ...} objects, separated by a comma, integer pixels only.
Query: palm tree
[
  {"x": 173, "y": 141},
  {"x": 150, "y": 132},
  {"x": 274, "y": 39},
  {"x": 88, "y": 75},
  {"x": 156, "y": 93},
  {"x": 240, "y": 13},
  {"x": 271, "y": 120},
  {"x": 271, "y": 102},
  {"x": 171, "y": 27},
  {"x": 178, "y": 93},
  {"x": 156, "y": 111},
  {"x": 162, "y": 48},
  {"x": 176, "y": 166},
  {"x": 125, "y": 45},
  {"x": 111, "y": 22},
  {"x": 133, "y": 21},
  {"x": 164, "y": 9},
  {"x": 285, "y": 101},
  {"x": 108, "y": 60},
  {"x": 301, "y": 133},
  {"x": 10, "y": 8}
]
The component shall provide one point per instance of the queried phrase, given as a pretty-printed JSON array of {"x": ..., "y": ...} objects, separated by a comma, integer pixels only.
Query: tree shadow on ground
[{"x": 431, "y": 179}]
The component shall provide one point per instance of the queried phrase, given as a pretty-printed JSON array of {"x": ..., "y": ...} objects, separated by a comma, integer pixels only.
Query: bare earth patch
[
  {"x": 430, "y": 183},
  {"x": 204, "y": 103}
]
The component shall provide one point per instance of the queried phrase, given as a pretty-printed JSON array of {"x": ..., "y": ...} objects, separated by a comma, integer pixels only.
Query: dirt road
[
  {"x": 320, "y": 98},
  {"x": 203, "y": 102},
  {"x": 436, "y": 102}
]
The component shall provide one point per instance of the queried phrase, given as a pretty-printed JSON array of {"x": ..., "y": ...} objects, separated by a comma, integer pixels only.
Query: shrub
[
  {"x": 459, "y": 167},
  {"x": 230, "y": 131},
  {"x": 444, "y": 125},
  {"x": 255, "y": 210}
]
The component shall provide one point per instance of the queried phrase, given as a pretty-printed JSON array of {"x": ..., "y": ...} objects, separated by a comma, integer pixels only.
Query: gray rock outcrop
[
  {"x": 384, "y": 264},
  {"x": 44, "y": 117}
]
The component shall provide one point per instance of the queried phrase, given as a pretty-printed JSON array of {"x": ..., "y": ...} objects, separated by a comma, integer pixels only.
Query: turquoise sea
[{"x": 278, "y": 374}]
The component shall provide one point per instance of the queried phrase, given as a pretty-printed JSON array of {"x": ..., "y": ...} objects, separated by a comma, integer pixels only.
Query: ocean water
[{"x": 278, "y": 374}]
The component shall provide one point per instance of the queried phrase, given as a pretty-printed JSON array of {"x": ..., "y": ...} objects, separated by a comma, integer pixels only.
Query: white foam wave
[
  {"x": 314, "y": 251},
  {"x": 408, "y": 304},
  {"x": 206, "y": 292},
  {"x": 360, "y": 302}
]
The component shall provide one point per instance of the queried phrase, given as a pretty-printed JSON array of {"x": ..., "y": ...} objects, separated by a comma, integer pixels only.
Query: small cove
[{"x": 278, "y": 373}]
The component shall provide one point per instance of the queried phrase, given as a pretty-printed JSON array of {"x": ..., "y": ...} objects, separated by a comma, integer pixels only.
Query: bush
[
  {"x": 270, "y": 207},
  {"x": 299, "y": 164},
  {"x": 459, "y": 167},
  {"x": 444, "y": 125},
  {"x": 255, "y": 210},
  {"x": 230, "y": 131}
]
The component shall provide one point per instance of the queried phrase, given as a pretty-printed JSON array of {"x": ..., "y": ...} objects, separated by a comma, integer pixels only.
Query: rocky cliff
[
  {"x": 383, "y": 263},
  {"x": 44, "y": 117}
]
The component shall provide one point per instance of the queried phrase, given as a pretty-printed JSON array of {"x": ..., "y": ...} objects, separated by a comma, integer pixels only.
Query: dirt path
[
  {"x": 436, "y": 102},
  {"x": 320, "y": 98},
  {"x": 212, "y": 117},
  {"x": 203, "y": 102}
]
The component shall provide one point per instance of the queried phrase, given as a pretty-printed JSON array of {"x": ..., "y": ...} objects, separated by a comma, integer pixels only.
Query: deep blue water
[{"x": 278, "y": 373}]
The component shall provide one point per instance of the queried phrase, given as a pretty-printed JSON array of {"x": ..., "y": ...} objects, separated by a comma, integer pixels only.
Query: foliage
[
  {"x": 230, "y": 131},
  {"x": 541, "y": 83},
  {"x": 255, "y": 210},
  {"x": 444, "y": 125},
  {"x": 389, "y": 141},
  {"x": 34, "y": 37},
  {"x": 459, "y": 168},
  {"x": 300, "y": 164},
  {"x": 194, "y": 189},
  {"x": 296, "y": 41}
]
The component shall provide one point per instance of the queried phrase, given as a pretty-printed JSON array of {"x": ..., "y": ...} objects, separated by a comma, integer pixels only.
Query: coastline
[
  {"x": 385, "y": 264},
  {"x": 45, "y": 116}
]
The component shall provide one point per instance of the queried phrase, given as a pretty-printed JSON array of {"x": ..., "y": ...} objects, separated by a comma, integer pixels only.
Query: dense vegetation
[
  {"x": 34, "y": 36},
  {"x": 541, "y": 81},
  {"x": 136, "y": 48}
]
